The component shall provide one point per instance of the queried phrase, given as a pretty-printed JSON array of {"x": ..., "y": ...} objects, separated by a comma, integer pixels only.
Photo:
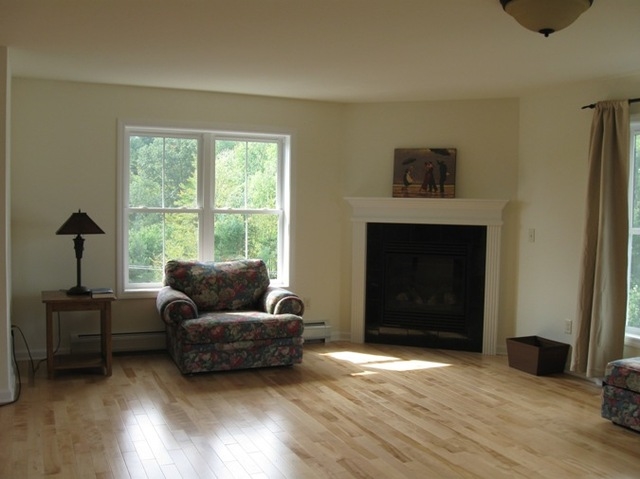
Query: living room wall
[
  {"x": 7, "y": 378},
  {"x": 485, "y": 134},
  {"x": 65, "y": 158},
  {"x": 552, "y": 185},
  {"x": 530, "y": 151}
]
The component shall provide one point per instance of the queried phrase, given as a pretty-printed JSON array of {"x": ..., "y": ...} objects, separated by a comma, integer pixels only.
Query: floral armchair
[{"x": 222, "y": 316}]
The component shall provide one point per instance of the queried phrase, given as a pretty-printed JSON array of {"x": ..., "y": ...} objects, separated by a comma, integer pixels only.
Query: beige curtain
[{"x": 602, "y": 300}]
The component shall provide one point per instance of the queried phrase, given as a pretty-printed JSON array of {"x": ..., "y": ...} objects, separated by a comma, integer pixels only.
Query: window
[
  {"x": 633, "y": 300},
  {"x": 198, "y": 194}
]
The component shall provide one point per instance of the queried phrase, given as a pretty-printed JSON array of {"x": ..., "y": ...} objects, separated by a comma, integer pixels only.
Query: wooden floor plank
[{"x": 348, "y": 411}]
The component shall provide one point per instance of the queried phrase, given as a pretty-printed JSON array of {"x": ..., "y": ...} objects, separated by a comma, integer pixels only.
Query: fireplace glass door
[{"x": 425, "y": 285}]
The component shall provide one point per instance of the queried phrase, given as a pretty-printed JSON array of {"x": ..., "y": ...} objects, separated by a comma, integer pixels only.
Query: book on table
[{"x": 102, "y": 293}]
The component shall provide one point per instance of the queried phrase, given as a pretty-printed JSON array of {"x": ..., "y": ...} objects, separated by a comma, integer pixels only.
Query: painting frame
[{"x": 424, "y": 173}]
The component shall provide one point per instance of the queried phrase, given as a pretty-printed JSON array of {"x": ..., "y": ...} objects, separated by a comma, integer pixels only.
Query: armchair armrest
[
  {"x": 282, "y": 301},
  {"x": 174, "y": 306}
]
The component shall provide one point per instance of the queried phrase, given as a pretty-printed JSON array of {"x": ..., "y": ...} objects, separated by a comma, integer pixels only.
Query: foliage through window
[
  {"x": 633, "y": 301},
  {"x": 206, "y": 195}
]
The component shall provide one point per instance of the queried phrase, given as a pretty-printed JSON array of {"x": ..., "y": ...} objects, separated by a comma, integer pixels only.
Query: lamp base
[{"x": 78, "y": 290}]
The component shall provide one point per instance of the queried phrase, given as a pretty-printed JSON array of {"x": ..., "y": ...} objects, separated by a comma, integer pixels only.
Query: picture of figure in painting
[
  {"x": 443, "y": 173},
  {"x": 436, "y": 168},
  {"x": 429, "y": 182},
  {"x": 407, "y": 179}
]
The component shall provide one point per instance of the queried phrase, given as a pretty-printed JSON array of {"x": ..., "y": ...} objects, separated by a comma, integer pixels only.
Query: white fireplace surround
[{"x": 442, "y": 211}]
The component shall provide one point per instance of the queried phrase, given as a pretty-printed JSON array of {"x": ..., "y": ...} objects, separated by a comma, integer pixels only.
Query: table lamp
[{"x": 79, "y": 224}]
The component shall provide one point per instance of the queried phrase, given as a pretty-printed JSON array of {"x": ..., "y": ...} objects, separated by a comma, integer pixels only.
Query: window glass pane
[
  {"x": 162, "y": 172},
  {"x": 262, "y": 170},
  {"x": 633, "y": 291},
  {"x": 230, "y": 174},
  {"x": 633, "y": 301},
  {"x": 229, "y": 237},
  {"x": 246, "y": 174},
  {"x": 145, "y": 171},
  {"x": 181, "y": 236},
  {"x": 145, "y": 248},
  {"x": 180, "y": 172},
  {"x": 156, "y": 237},
  {"x": 635, "y": 161},
  {"x": 263, "y": 241},
  {"x": 239, "y": 236}
]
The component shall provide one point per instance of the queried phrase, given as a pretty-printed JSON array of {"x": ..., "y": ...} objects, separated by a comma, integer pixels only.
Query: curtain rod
[{"x": 593, "y": 105}]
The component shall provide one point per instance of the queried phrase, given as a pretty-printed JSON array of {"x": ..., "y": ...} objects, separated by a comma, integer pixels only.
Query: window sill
[
  {"x": 138, "y": 294},
  {"x": 632, "y": 340}
]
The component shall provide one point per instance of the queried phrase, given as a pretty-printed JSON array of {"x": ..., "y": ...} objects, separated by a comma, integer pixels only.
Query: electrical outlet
[
  {"x": 532, "y": 235},
  {"x": 568, "y": 326},
  {"x": 307, "y": 302}
]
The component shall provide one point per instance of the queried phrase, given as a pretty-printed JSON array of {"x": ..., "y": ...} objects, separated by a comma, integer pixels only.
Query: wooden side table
[{"x": 57, "y": 301}]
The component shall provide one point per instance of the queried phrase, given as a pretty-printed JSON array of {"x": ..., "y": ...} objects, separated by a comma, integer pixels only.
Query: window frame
[
  {"x": 205, "y": 207},
  {"x": 632, "y": 334}
]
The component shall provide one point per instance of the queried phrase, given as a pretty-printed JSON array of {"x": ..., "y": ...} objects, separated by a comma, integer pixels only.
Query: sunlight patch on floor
[
  {"x": 388, "y": 363},
  {"x": 409, "y": 365},
  {"x": 360, "y": 358},
  {"x": 364, "y": 373}
]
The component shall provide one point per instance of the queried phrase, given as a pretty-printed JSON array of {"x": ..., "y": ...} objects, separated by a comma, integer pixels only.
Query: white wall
[
  {"x": 7, "y": 380},
  {"x": 64, "y": 158},
  {"x": 552, "y": 179},
  {"x": 485, "y": 134},
  {"x": 530, "y": 151}
]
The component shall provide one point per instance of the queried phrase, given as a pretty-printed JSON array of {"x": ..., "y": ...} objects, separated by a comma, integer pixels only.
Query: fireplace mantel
[{"x": 446, "y": 211}]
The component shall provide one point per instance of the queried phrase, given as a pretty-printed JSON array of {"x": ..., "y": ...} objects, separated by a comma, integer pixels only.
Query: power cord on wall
[
  {"x": 17, "y": 369},
  {"x": 34, "y": 367}
]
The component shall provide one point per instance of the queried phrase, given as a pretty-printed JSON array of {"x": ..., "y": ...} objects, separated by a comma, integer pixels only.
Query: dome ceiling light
[{"x": 545, "y": 16}]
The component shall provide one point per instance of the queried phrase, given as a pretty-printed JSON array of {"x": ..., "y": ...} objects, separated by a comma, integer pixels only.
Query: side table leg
[
  {"x": 105, "y": 323},
  {"x": 50, "y": 341}
]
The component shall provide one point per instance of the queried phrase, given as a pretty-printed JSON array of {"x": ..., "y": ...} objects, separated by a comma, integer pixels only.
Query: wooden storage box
[{"x": 536, "y": 355}]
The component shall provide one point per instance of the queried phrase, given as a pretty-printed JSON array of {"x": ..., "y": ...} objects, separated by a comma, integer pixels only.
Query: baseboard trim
[{"x": 120, "y": 342}]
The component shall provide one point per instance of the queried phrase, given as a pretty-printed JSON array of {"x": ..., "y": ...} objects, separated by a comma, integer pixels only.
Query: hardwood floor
[{"x": 349, "y": 411}]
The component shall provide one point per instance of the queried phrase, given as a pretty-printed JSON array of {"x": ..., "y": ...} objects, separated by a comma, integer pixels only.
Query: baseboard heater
[
  {"x": 316, "y": 331},
  {"x": 120, "y": 342},
  {"x": 156, "y": 340}
]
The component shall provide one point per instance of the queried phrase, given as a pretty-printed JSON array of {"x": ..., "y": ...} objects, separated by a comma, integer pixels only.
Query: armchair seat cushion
[
  {"x": 234, "y": 326},
  {"x": 198, "y": 358}
]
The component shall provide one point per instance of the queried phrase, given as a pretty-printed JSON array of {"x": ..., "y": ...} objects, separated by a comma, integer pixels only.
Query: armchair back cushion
[{"x": 223, "y": 286}]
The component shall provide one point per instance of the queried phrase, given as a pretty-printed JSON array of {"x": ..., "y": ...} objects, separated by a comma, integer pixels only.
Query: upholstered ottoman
[{"x": 621, "y": 393}]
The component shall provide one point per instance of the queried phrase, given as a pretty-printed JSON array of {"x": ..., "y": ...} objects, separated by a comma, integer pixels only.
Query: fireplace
[
  {"x": 404, "y": 260},
  {"x": 425, "y": 285}
]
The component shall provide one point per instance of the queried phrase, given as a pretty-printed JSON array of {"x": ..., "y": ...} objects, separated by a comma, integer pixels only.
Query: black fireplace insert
[{"x": 425, "y": 285}]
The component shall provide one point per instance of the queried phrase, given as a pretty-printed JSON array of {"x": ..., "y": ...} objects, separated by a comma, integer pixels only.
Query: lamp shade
[
  {"x": 79, "y": 224},
  {"x": 545, "y": 16}
]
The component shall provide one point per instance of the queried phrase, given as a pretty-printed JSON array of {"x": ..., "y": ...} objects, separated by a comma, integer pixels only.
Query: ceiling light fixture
[{"x": 545, "y": 16}]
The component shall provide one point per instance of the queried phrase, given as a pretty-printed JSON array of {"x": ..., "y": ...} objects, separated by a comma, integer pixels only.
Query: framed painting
[{"x": 424, "y": 173}]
